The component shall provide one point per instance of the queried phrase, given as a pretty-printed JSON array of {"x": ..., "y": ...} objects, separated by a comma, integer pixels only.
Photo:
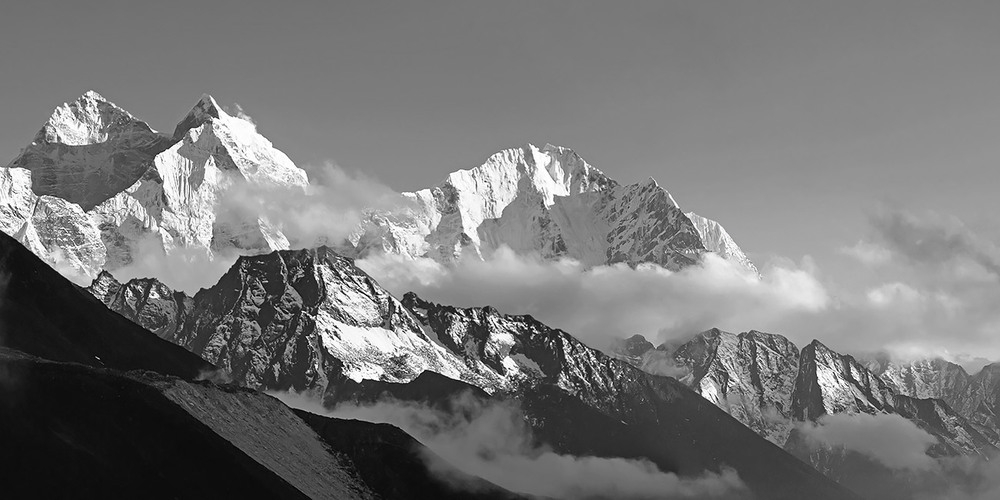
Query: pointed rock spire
[{"x": 207, "y": 108}]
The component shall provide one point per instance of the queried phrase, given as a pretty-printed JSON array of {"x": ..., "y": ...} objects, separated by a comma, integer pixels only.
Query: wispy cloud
[
  {"x": 934, "y": 240},
  {"x": 326, "y": 212},
  {"x": 867, "y": 253}
]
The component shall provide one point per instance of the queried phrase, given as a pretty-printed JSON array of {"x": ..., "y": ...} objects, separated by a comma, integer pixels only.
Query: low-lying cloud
[
  {"x": 961, "y": 478},
  {"x": 186, "y": 269},
  {"x": 493, "y": 442},
  {"x": 326, "y": 212},
  {"x": 889, "y": 439},
  {"x": 902, "y": 448}
]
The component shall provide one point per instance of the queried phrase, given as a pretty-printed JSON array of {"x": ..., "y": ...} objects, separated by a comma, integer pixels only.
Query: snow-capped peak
[
  {"x": 204, "y": 110},
  {"x": 96, "y": 182},
  {"x": 546, "y": 201}
]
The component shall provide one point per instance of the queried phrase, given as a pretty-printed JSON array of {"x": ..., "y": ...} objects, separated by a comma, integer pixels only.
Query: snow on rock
[
  {"x": 117, "y": 188},
  {"x": 292, "y": 320},
  {"x": 62, "y": 231},
  {"x": 750, "y": 375}
]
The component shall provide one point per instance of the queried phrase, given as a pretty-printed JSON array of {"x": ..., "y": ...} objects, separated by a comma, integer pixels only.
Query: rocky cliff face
[
  {"x": 548, "y": 201},
  {"x": 97, "y": 186},
  {"x": 292, "y": 319},
  {"x": 829, "y": 382}
]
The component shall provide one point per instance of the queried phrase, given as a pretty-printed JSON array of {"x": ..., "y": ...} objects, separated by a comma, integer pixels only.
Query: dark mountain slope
[
  {"x": 71, "y": 431},
  {"x": 43, "y": 314}
]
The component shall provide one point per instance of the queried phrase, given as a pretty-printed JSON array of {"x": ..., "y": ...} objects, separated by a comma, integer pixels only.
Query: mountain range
[{"x": 98, "y": 189}]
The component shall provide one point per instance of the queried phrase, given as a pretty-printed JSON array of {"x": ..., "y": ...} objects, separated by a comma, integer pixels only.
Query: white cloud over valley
[{"x": 492, "y": 441}]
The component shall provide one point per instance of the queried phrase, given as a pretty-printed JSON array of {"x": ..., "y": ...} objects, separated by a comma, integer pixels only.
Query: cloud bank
[
  {"x": 604, "y": 302},
  {"x": 494, "y": 442}
]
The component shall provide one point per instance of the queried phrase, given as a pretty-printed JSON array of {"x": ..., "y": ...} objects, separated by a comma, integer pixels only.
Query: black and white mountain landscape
[
  {"x": 311, "y": 328},
  {"x": 201, "y": 312}
]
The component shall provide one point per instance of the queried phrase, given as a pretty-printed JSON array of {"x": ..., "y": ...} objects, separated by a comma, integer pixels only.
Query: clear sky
[{"x": 785, "y": 120}]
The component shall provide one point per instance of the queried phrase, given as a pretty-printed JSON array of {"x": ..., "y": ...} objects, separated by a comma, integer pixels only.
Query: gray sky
[{"x": 787, "y": 121}]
